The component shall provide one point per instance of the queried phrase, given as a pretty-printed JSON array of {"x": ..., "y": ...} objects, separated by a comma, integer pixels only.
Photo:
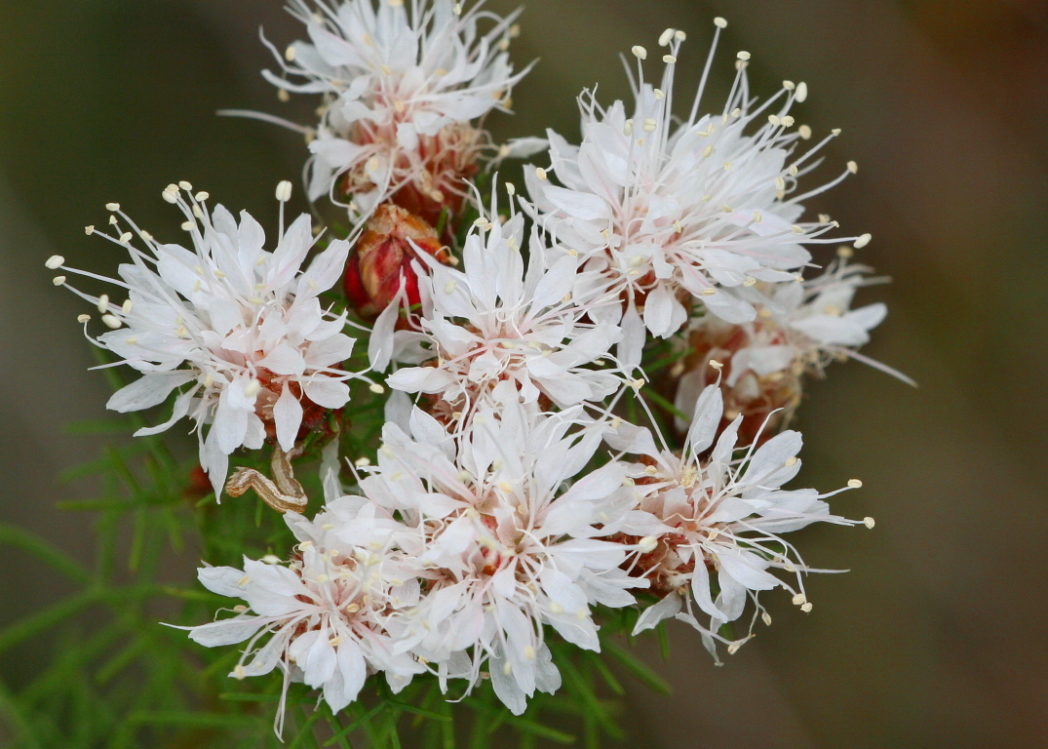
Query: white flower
[
  {"x": 509, "y": 545},
  {"x": 402, "y": 83},
  {"x": 236, "y": 329},
  {"x": 726, "y": 517},
  {"x": 799, "y": 329},
  {"x": 496, "y": 321},
  {"x": 672, "y": 211},
  {"x": 329, "y": 614}
]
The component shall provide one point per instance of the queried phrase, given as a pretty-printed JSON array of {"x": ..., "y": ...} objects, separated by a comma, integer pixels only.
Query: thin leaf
[
  {"x": 639, "y": 670},
  {"x": 43, "y": 550}
]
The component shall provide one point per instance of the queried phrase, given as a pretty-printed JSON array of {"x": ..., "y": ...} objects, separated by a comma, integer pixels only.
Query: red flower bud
[{"x": 382, "y": 259}]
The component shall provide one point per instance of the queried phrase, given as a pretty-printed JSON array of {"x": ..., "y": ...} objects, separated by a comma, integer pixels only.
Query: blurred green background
[{"x": 936, "y": 637}]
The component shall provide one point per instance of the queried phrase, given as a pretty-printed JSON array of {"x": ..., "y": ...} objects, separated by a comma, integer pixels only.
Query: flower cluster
[
  {"x": 403, "y": 92},
  {"x": 237, "y": 329},
  {"x": 532, "y": 470}
]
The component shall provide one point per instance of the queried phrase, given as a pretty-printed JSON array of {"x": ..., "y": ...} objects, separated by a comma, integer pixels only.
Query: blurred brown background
[{"x": 936, "y": 637}]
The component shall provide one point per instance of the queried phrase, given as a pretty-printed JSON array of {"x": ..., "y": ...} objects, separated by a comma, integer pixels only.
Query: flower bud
[{"x": 382, "y": 259}]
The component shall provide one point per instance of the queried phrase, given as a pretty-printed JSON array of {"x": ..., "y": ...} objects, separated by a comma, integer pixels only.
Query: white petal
[
  {"x": 654, "y": 614},
  {"x": 327, "y": 392},
  {"x": 287, "y": 414},
  {"x": 226, "y": 632},
  {"x": 148, "y": 390}
]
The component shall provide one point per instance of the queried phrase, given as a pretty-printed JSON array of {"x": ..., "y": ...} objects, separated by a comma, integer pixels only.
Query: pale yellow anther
[
  {"x": 639, "y": 52},
  {"x": 854, "y": 483},
  {"x": 862, "y": 241},
  {"x": 720, "y": 22},
  {"x": 869, "y": 522}
]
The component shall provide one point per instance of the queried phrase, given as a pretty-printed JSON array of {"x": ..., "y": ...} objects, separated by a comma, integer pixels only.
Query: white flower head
[
  {"x": 799, "y": 329},
  {"x": 237, "y": 330},
  {"x": 511, "y": 544},
  {"x": 500, "y": 319},
  {"x": 672, "y": 211},
  {"x": 726, "y": 516},
  {"x": 328, "y": 617},
  {"x": 403, "y": 84}
]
